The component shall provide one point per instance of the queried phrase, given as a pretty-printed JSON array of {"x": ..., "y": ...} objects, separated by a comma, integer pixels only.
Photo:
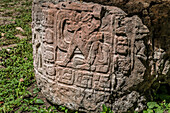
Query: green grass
[
  {"x": 154, "y": 107},
  {"x": 21, "y": 17},
  {"x": 18, "y": 64}
]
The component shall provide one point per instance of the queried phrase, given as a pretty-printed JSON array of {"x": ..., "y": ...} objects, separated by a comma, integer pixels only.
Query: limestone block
[{"x": 88, "y": 54}]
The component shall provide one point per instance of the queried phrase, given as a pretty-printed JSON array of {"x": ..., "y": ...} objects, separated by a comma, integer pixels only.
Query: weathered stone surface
[
  {"x": 155, "y": 14},
  {"x": 87, "y": 55}
]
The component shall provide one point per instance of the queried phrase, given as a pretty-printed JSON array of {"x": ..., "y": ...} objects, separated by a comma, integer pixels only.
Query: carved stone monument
[{"x": 87, "y": 55}]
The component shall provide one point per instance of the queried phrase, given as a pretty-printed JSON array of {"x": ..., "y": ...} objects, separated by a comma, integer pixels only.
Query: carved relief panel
[{"x": 87, "y": 53}]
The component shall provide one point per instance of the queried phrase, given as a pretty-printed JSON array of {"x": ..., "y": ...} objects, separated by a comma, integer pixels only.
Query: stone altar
[{"x": 88, "y": 54}]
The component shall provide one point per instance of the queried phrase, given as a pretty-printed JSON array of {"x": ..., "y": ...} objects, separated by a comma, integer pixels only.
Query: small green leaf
[
  {"x": 34, "y": 108},
  {"x": 42, "y": 111},
  {"x": 35, "y": 90},
  {"x": 31, "y": 101},
  {"x": 49, "y": 108},
  {"x": 39, "y": 101},
  {"x": 62, "y": 108},
  {"x": 25, "y": 100},
  {"x": 159, "y": 111},
  {"x": 145, "y": 111},
  {"x": 29, "y": 93},
  {"x": 149, "y": 111},
  {"x": 1, "y": 94},
  {"x": 152, "y": 105},
  {"x": 66, "y": 111},
  {"x": 110, "y": 111},
  {"x": 104, "y": 108},
  {"x": 169, "y": 105}
]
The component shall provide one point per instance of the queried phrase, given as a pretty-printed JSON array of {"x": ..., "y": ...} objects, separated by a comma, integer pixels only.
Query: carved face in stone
[
  {"x": 89, "y": 23},
  {"x": 122, "y": 45}
]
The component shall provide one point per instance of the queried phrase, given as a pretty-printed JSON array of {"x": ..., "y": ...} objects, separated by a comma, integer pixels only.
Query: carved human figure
[
  {"x": 83, "y": 37},
  {"x": 99, "y": 56}
]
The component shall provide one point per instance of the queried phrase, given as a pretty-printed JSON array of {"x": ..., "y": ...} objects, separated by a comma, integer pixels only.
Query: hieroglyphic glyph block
[{"x": 87, "y": 55}]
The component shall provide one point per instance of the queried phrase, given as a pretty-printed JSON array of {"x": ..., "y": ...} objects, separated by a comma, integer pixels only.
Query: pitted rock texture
[
  {"x": 155, "y": 14},
  {"x": 87, "y": 55}
]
